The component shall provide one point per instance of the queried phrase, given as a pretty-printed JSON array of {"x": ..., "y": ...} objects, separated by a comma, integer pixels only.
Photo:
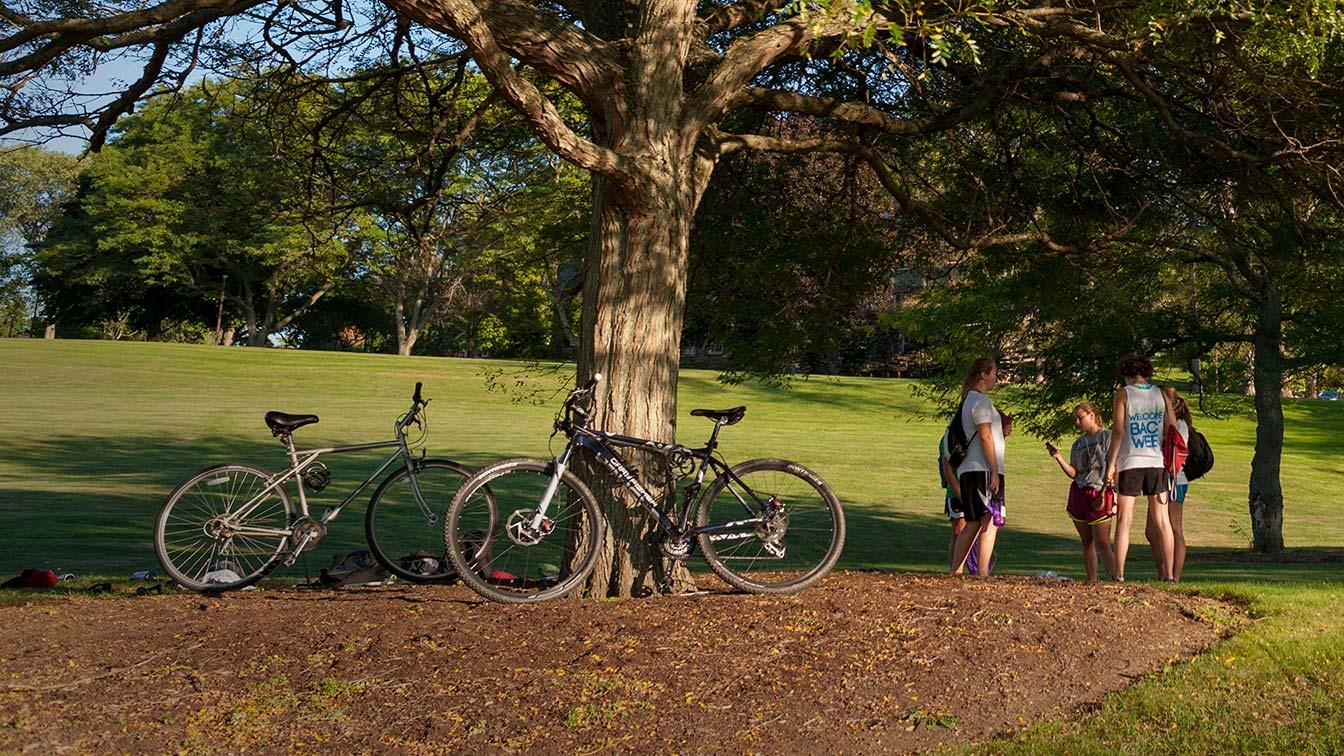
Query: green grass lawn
[{"x": 95, "y": 434}]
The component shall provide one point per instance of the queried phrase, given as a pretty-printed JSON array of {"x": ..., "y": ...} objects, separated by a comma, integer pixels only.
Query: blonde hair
[
  {"x": 1179, "y": 407},
  {"x": 979, "y": 369},
  {"x": 1092, "y": 410}
]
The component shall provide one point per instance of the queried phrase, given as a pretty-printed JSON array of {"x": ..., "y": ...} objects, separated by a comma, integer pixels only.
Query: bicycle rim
[
  {"x": 788, "y": 532},
  {"x": 405, "y": 537},
  {"x": 495, "y": 552}
]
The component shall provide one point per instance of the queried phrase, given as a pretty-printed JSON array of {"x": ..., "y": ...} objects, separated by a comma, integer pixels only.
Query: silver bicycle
[{"x": 228, "y": 526}]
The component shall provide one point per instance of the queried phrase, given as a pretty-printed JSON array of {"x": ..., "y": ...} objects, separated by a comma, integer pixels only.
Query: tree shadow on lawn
[
  {"x": 897, "y": 541},
  {"x": 87, "y": 504}
]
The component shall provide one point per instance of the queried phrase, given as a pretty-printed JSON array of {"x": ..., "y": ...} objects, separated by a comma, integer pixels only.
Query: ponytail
[{"x": 979, "y": 369}]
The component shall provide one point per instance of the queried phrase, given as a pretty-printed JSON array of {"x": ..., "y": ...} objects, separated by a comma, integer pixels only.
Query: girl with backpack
[
  {"x": 1134, "y": 465},
  {"x": 1184, "y": 424},
  {"x": 978, "y": 428},
  {"x": 1086, "y": 466}
]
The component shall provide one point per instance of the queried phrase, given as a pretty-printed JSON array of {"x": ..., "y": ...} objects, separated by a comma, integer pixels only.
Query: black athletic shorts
[
  {"x": 1142, "y": 481},
  {"x": 952, "y": 508},
  {"x": 975, "y": 494}
]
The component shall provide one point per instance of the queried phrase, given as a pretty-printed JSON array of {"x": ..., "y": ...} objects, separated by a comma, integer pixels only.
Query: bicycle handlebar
[
  {"x": 575, "y": 394},
  {"x": 412, "y": 417}
]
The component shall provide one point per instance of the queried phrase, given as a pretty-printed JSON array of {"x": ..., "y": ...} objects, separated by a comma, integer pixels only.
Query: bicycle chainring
[
  {"x": 675, "y": 548},
  {"x": 306, "y": 526}
]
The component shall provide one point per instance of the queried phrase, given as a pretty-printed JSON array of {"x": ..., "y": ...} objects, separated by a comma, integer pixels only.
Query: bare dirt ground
[{"x": 862, "y": 663}]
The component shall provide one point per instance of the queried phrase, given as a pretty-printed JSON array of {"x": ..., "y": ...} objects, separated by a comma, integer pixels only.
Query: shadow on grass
[{"x": 87, "y": 505}]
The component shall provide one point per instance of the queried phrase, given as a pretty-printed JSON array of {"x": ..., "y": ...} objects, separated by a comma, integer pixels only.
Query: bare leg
[
  {"x": 1177, "y": 516},
  {"x": 1103, "y": 539},
  {"x": 958, "y": 525},
  {"x": 1123, "y": 519},
  {"x": 968, "y": 533},
  {"x": 1154, "y": 537},
  {"x": 986, "y": 546},
  {"x": 1160, "y": 524},
  {"x": 1089, "y": 550}
]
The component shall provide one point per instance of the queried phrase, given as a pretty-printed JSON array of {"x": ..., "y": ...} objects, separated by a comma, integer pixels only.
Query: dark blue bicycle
[{"x": 528, "y": 530}]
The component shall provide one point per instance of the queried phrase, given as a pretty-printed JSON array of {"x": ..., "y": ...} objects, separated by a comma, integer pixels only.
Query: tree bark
[
  {"x": 1266, "y": 491},
  {"x": 633, "y": 302}
]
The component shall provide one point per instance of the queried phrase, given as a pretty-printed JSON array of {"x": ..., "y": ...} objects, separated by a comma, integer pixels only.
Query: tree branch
[
  {"x": 463, "y": 18},
  {"x": 584, "y": 63},
  {"x": 860, "y": 114},
  {"x": 733, "y": 15},
  {"x": 168, "y": 20},
  {"x": 729, "y": 143}
]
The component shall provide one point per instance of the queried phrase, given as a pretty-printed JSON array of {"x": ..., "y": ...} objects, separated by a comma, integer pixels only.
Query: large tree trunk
[
  {"x": 1266, "y": 492},
  {"x": 633, "y": 300}
]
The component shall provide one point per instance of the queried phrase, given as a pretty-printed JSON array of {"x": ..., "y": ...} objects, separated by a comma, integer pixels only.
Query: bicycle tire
[
  {"x": 197, "y": 509},
  {"x": 399, "y": 533},
  {"x": 487, "y": 571},
  {"x": 817, "y": 558}
]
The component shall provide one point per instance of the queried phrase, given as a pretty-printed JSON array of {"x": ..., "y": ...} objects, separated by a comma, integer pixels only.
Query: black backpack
[
  {"x": 1200, "y": 459},
  {"x": 957, "y": 442}
]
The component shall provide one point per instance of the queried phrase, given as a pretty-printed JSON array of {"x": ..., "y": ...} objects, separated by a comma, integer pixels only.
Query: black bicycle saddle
[
  {"x": 727, "y": 417},
  {"x": 281, "y": 422}
]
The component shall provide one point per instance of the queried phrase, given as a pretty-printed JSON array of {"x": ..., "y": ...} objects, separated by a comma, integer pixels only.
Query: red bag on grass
[{"x": 32, "y": 578}]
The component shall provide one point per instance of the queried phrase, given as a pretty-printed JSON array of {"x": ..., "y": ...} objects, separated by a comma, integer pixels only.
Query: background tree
[
  {"x": 34, "y": 183},
  {"x": 1196, "y": 219},
  {"x": 193, "y": 196}
]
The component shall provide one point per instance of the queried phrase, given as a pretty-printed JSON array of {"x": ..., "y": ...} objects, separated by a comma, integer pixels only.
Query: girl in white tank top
[{"x": 1141, "y": 436}]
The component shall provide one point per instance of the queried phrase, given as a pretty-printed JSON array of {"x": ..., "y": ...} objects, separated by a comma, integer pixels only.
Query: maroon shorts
[{"x": 1086, "y": 506}]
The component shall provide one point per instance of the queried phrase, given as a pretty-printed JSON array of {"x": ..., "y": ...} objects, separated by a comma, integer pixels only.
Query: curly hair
[{"x": 1134, "y": 366}]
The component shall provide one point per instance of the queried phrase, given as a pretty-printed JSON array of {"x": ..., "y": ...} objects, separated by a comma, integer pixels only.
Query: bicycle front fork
[{"x": 557, "y": 471}]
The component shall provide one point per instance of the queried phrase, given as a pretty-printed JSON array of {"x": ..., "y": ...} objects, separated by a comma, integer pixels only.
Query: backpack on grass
[{"x": 353, "y": 569}]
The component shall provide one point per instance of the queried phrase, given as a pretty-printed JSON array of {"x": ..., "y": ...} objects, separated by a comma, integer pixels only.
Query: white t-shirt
[
  {"x": 1184, "y": 430},
  {"x": 979, "y": 410},
  {"x": 1141, "y": 435}
]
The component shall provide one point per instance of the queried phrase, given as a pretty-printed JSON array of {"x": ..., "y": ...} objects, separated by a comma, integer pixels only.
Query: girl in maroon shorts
[{"x": 1087, "y": 467}]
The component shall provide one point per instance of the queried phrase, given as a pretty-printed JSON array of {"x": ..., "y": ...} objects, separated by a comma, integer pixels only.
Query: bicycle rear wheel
[
  {"x": 406, "y": 538},
  {"x": 197, "y": 538},
  {"x": 500, "y": 556},
  {"x": 784, "y": 528}
]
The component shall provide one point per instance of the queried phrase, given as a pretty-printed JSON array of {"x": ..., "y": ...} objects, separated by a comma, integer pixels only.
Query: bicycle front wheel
[
  {"x": 405, "y": 532},
  {"x": 515, "y": 556},
  {"x": 773, "y": 527},
  {"x": 217, "y": 531}
]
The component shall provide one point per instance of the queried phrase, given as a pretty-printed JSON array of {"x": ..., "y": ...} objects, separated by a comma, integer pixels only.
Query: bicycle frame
[
  {"x": 301, "y": 460},
  {"x": 601, "y": 443}
]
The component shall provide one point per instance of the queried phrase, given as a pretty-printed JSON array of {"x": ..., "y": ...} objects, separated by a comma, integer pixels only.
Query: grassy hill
[{"x": 97, "y": 433}]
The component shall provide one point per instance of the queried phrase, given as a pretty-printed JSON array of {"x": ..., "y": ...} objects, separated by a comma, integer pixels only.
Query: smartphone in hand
[{"x": 1049, "y": 447}]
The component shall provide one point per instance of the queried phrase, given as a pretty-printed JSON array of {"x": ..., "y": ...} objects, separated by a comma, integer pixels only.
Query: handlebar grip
[
  {"x": 592, "y": 382},
  {"x": 417, "y": 398}
]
